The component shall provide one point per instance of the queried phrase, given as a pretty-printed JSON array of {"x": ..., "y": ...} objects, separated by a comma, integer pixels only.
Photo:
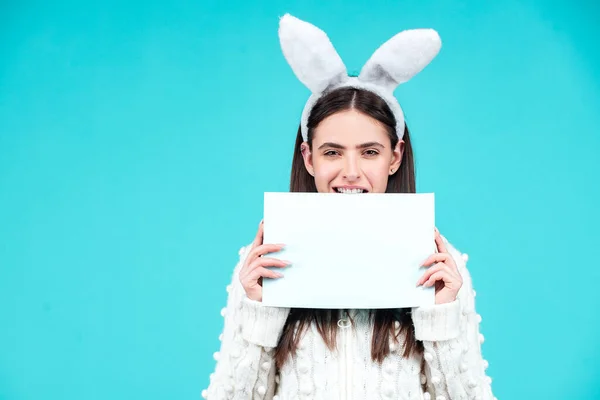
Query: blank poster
[{"x": 349, "y": 251}]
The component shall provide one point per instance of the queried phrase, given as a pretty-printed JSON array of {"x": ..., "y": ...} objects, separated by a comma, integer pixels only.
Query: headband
[{"x": 318, "y": 66}]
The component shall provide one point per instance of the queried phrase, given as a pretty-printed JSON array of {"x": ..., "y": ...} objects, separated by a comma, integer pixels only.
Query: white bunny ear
[
  {"x": 311, "y": 55},
  {"x": 401, "y": 58}
]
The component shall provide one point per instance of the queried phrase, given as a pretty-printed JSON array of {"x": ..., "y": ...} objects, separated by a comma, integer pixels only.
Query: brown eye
[
  {"x": 371, "y": 152},
  {"x": 330, "y": 153}
]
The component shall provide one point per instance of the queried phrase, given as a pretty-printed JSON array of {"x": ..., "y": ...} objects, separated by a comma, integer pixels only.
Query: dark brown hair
[{"x": 403, "y": 181}]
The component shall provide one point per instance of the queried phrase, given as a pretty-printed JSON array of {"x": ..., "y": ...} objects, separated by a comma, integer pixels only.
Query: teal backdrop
[{"x": 137, "y": 139}]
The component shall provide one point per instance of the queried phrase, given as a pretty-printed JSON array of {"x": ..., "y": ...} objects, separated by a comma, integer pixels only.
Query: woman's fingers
[
  {"x": 262, "y": 272},
  {"x": 442, "y": 275},
  {"x": 255, "y": 265},
  {"x": 433, "y": 270},
  {"x": 258, "y": 239},
  {"x": 263, "y": 262},
  {"x": 440, "y": 258},
  {"x": 269, "y": 262},
  {"x": 441, "y": 246},
  {"x": 261, "y": 250}
]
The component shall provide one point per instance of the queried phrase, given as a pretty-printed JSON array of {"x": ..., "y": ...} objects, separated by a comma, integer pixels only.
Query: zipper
[{"x": 345, "y": 368}]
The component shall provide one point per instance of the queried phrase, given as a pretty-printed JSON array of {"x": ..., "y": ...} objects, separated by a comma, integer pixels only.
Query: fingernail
[
  {"x": 279, "y": 275},
  {"x": 286, "y": 262}
]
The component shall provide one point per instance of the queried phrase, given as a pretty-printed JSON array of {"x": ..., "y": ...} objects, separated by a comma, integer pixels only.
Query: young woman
[{"x": 352, "y": 139}]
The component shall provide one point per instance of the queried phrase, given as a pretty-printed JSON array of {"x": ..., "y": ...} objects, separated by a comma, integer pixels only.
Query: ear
[
  {"x": 307, "y": 156},
  {"x": 397, "y": 154},
  {"x": 401, "y": 58},
  {"x": 311, "y": 55}
]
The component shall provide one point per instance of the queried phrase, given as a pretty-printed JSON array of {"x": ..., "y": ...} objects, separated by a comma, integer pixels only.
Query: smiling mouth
[{"x": 350, "y": 191}]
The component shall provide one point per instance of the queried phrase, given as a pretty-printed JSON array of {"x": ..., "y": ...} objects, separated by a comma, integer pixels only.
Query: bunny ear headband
[{"x": 318, "y": 66}]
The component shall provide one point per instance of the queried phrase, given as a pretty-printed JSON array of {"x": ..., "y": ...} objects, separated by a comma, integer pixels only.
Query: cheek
[
  {"x": 325, "y": 172},
  {"x": 377, "y": 175}
]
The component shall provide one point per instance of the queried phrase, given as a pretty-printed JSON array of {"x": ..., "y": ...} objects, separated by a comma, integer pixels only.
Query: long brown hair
[{"x": 403, "y": 181}]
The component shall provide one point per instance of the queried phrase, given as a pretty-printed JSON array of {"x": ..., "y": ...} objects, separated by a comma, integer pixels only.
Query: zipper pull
[{"x": 345, "y": 322}]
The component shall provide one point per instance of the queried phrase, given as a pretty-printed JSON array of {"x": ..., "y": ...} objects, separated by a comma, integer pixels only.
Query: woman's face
[{"x": 351, "y": 153}]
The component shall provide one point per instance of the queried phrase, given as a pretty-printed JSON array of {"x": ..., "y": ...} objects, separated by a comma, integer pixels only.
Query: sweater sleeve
[
  {"x": 454, "y": 367},
  {"x": 245, "y": 366}
]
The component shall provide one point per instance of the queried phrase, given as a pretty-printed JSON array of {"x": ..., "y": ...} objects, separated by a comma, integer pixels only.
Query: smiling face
[{"x": 351, "y": 153}]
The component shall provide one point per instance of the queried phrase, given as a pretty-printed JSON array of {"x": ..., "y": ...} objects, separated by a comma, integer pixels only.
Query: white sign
[{"x": 350, "y": 251}]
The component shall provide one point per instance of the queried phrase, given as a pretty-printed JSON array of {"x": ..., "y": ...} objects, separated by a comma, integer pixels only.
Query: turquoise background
[{"x": 136, "y": 141}]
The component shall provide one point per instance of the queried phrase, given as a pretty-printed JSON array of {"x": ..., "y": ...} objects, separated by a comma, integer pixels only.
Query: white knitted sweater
[{"x": 454, "y": 368}]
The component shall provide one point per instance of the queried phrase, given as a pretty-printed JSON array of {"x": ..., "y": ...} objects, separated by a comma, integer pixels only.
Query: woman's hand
[
  {"x": 442, "y": 272},
  {"x": 254, "y": 269}
]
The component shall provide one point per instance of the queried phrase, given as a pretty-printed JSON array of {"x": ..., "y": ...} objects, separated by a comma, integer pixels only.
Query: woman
[{"x": 352, "y": 139}]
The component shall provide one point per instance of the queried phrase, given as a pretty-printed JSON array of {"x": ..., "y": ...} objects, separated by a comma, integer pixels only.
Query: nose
[{"x": 351, "y": 169}]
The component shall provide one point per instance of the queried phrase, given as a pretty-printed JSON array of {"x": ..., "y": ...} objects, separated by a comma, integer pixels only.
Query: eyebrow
[{"x": 360, "y": 146}]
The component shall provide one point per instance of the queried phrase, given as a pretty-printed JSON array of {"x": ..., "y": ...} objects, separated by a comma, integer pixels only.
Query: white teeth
[{"x": 349, "y": 191}]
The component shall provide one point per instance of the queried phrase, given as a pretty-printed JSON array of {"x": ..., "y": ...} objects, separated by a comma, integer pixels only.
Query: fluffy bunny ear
[
  {"x": 401, "y": 58},
  {"x": 311, "y": 55}
]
